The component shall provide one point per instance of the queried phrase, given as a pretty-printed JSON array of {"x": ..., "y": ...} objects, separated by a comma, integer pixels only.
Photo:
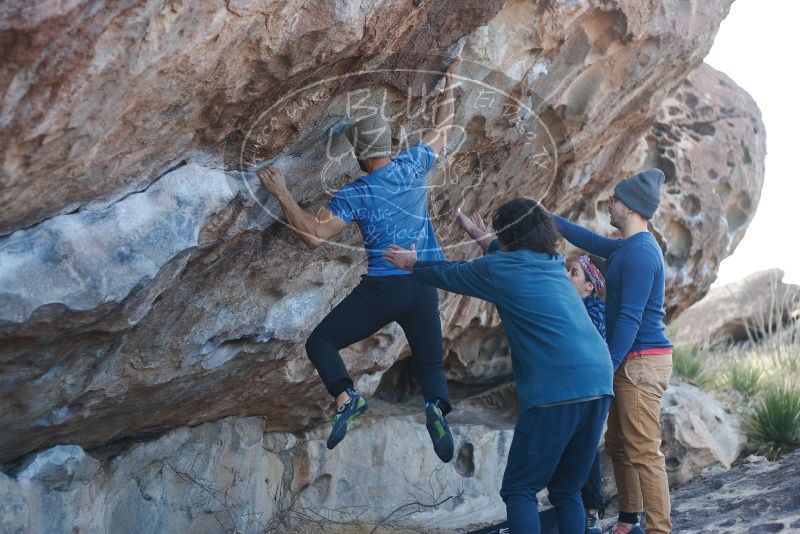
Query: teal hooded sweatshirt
[{"x": 557, "y": 354}]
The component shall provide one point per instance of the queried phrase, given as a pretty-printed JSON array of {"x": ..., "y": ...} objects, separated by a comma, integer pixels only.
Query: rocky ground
[{"x": 755, "y": 497}]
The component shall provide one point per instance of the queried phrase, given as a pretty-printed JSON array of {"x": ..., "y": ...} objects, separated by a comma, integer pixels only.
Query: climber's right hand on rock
[{"x": 273, "y": 179}]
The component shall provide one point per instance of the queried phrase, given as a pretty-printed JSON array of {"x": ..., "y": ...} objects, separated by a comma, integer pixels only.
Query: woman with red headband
[{"x": 589, "y": 282}]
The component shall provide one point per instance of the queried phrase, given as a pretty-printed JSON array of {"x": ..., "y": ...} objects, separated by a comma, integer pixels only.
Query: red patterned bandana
[{"x": 592, "y": 272}]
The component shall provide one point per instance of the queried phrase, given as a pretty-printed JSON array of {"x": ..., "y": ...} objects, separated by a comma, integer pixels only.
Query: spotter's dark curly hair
[{"x": 523, "y": 223}]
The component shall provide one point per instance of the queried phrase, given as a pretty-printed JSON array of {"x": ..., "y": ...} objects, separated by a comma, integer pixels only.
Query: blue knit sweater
[
  {"x": 557, "y": 355},
  {"x": 596, "y": 309},
  {"x": 634, "y": 288}
]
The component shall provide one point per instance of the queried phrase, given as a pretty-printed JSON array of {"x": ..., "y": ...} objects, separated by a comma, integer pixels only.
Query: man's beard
[
  {"x": 363, "y": 165},
  {"x": 616, "y": 223}
]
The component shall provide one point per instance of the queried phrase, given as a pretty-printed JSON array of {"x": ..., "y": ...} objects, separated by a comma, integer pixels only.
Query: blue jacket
[
  {"x": 634, "y": 288},
  {"x": 596, "y": 309},
  {"x": 556, "y": 353}
]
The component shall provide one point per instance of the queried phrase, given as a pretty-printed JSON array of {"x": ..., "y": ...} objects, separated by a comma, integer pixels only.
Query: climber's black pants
[{"x": 374, "y": 303}]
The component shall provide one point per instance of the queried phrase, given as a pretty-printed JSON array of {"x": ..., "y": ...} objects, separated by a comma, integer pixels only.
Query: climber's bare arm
[
  {"x": 445, "y": 109},
  {"x": 314, "y": 230}
]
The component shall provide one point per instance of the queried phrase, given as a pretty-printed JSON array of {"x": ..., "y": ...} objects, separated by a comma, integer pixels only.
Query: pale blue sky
[{"x": 757, "y": 47}]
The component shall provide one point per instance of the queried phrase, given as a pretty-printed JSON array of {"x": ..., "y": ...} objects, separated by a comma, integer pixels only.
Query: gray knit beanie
[
  {"x": 641, "y": 192},
  {"x": 371, "y": 137}
]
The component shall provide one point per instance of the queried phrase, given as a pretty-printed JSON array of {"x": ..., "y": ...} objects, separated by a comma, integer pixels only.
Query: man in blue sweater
[
  {"x": 640, "y": 350},
  {"x": 560, "y": 362}
]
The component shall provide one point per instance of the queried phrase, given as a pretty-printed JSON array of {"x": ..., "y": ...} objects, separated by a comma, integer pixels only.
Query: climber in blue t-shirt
[{"x": 390, "y": 205}]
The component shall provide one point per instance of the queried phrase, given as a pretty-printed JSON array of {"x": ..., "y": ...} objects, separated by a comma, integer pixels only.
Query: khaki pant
[{"x": 633, "y": 439}]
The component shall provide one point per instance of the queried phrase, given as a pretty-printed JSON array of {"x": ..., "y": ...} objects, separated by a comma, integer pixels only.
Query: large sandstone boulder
[
  {"x": 709, "y": 140},
  {"x": 144, "y": 284},
  {"x": 758, "y": 305}
]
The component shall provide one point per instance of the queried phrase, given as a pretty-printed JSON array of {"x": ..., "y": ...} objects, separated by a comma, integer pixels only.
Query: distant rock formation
[{"x": 758, "y": 305}]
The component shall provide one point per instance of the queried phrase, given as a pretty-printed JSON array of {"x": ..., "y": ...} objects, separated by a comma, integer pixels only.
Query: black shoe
[
  {"x": 439, "y": 430},
  {"x": 345, "y": 413}
]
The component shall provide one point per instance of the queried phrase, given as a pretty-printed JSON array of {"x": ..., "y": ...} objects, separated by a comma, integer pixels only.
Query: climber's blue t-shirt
[{"x": 390, "y": 206}]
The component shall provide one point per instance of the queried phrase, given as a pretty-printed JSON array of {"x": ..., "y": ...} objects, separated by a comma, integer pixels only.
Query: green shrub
[
  {"x": 787, "y": 364},
  {"x": 743, "y": 376},
  {"x": 689, "y": 362},
  {"x": 774, "y": 422},
  {"x": 782, "y": 365}
]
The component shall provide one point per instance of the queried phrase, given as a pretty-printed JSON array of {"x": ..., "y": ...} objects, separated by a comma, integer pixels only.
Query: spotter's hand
[
  {"x": 477, "y": 228},
  {"x": 400, "y": 257},
  {"x": 474, "y": 225}
]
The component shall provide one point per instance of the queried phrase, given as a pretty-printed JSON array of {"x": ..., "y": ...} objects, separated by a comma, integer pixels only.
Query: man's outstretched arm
[
  {"x": 582, "y": 238},
  {"x": 469, "y": 278},
  {"x": 314, "y": 230},
  {"x": 445, "y": 110}
]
